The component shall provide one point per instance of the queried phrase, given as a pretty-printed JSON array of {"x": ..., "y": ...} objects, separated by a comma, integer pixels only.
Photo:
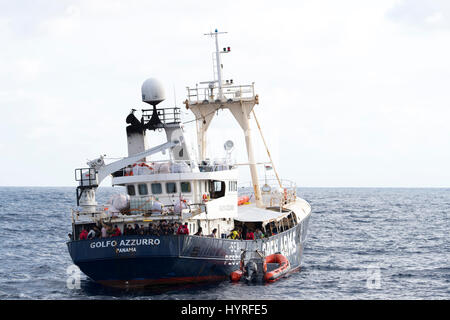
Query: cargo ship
[{"x": 184, "y": 218}]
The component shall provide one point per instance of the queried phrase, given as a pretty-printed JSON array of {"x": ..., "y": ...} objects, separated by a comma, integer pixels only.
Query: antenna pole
[
  {"x": 218, "y": 63},
  {"x": 174, "y": 96}
]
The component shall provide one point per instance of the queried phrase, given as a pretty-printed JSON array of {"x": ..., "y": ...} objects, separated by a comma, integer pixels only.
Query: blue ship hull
[{"x": 137, "y": 261}]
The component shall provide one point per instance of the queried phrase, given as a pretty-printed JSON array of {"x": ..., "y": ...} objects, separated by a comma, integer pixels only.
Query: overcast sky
[{"x": 352, "y": 93}]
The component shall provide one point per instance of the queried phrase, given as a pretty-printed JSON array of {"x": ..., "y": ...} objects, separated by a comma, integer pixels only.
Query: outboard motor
[
  {"x": 252, "y": 267},
  {"x": 251, "y": 271}
]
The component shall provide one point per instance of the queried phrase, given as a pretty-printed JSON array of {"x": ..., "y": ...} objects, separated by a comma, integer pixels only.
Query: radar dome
[{"x": 152, "y": 91}]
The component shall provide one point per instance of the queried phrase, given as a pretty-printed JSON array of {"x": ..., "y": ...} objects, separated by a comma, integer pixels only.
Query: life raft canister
[
  {"x": 129, "y": 171},
  {"x": 143, "y": 164}
]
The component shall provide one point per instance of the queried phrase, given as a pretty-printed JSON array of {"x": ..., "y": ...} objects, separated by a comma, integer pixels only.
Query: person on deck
[
  {"x": 259, "y": 234},
  {"x": 175, "y": 228},
  {"x": 109, "y": 231},
  {"x": 183, "y": 229},
  {"x": 214, "y": 233},
  {"x": 116, "y": 231},
  {"x": 172, "y": 229},
  {"x": 199, "y": 232},
  {"x": 83, "y": 234},
  {"x": 156, "y": 229},
  {"x": 104, "y": 231},
  {"x": 150, "y": 230},
  {"x": 250, "y": 235},
  {"x": 91, "y": 234},
  {"x": 97, "y": 232},
  {"x": 244, "y": 231},
  {"x": 234, "y": 234},
  {"x": 274, "y": 231},
  {"x": 131, "y": 230}
]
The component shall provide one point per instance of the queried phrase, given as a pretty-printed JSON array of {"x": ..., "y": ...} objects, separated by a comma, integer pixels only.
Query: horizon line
[{"x": 298, "y": 187}]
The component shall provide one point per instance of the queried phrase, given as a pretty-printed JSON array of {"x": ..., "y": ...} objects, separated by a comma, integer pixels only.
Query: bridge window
[
  {"x": 216, "y": 189},
  {"x": 131, "y": 191},
  {"x": 232, "y": 185},
  {"x": 171, "y": 187},
  {"x": 143, "y": 190},
  {"x": 185, "y": 187},
  {"x": 156, "y": 188}
]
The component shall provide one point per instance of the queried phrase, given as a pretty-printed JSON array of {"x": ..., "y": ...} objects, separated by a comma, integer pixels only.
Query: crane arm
[{"x": 106, "y": 170}]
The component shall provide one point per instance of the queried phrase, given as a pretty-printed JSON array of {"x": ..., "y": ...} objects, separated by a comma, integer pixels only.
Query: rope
[{"x": 267, "y": 149}]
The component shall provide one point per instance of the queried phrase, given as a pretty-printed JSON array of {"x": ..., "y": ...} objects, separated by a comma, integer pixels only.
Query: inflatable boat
[{"x": 261, "y": 268}]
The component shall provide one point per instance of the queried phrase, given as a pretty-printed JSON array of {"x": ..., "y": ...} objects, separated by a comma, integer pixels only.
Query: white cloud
[
  {"x": 422, "y": 15},
  {"x": 351, "y": 93},
  {"x": 64, "y": 25},
  {"x": 435, "y": 18}
]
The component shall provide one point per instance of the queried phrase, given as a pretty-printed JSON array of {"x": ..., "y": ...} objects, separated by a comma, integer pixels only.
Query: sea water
[{"x": 363, "y": 243}]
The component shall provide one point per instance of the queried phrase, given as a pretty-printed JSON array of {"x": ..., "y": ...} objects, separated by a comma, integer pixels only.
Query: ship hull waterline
[{"x": 140, "y": 261}]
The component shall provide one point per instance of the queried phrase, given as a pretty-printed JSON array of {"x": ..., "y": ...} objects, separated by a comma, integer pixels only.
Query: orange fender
[{"x": 236, "y": 275}]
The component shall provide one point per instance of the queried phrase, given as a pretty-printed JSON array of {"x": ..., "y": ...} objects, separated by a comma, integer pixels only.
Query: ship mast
[
  {"x": 205, "y": 100},
  {"x": 218, "y": 61}
]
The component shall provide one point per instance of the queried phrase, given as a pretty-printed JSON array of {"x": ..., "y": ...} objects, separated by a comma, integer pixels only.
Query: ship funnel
[{"x": 152, "y": 91}]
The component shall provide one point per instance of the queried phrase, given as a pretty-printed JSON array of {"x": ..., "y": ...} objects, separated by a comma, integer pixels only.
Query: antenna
[
  {"x": 228, "y": 146},
  {"x": 218, "y": 63},
  {"x": 174, "y": 95}
]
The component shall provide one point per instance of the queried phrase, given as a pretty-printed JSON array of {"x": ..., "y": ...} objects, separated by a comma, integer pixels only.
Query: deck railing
[
  {"x": 138, "y": 209},
  {"x": 272, "y": 194},
  {"x": 174, "y": 166},
  {"x": 165, "y": 115},
  {"x": 210, "y": 93}
]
